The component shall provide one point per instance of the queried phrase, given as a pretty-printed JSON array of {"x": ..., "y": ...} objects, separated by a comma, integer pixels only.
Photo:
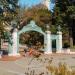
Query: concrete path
[{"x": 35, "y": 66}]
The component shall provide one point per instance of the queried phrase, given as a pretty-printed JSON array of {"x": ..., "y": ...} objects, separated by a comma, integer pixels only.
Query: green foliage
[
  {"x": 7, "y": 14},
  {"x": 64, "y": 15},
  {"x": 66, "y": 45},
  {"x": 31, "y": 38},
  {"x": 63, "y": 10}
]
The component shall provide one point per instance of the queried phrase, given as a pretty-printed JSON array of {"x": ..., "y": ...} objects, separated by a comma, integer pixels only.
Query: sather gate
[{"x": 48, "y": 37}]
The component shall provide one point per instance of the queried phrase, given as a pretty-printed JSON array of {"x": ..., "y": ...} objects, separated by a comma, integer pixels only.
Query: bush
[
  {"x": 66, "y": 45},
  {"x": 62, "y": 69}
]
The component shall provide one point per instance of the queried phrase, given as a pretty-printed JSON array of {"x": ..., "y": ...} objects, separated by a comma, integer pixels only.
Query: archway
[
  {"x": 31, "y": 27},
  {"x": 48, "y": 37},
  {"x": 31, "y": 39},
  {"x": 54, "y": 46},
  {"x": 54, "y": 39}
]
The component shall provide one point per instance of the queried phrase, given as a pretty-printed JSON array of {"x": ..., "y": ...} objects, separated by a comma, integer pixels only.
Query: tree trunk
[
  {"x": 71, "y": 33},
  {"x": 0, "y": 40},
  {"x": 71, "y": 42},
  {"x": 71, "y": 37},
  {"x": 0, "y": 43}
]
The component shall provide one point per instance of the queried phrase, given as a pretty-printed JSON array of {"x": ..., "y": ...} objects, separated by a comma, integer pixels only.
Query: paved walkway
[
  {"x": 9, "y": 58},
  {"x": 35, "y": 66}
]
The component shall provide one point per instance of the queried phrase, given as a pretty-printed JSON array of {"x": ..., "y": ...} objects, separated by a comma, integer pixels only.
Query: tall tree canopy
[
  {"x": 38, "y": 13},
  {"x": 8, "y": 12},
  {"x": 41, "y": 16},
  {"x": 64, "y": 15}
]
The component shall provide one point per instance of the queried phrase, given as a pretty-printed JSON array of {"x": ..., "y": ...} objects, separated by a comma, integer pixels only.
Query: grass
[{"x": 62, "y": 69}]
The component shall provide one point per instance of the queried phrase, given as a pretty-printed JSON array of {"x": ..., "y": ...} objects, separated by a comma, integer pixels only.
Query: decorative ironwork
[
  {"x": 47, "y": 27},
  {"x": 31, "y": 27},
  {"x": 59, "y": 28}
]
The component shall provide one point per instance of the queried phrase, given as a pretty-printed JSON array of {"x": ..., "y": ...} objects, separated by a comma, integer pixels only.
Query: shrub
[
  {"x": 62, "y": 69},
  {"x": 66, "y": 45}
]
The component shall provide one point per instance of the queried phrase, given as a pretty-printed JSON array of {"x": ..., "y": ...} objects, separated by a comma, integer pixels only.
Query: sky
[{"x": 30, "y": 3}]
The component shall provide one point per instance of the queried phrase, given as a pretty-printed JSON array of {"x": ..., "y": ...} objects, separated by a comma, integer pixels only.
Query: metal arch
[
  {"x": 31, "y": 27},
  {"x": 54, "y": 37}
]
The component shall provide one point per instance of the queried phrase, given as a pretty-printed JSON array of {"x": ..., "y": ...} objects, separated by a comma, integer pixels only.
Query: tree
[
  {"x": 40, "y": 15},
  {"x": 8, "y": 12},
  {"x": 65, "y": 16}
]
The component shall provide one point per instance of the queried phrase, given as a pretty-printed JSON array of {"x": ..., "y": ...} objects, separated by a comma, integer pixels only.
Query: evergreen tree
[
  {"x": 8, "y": 12},
  {"x": 64, "y": 15}
]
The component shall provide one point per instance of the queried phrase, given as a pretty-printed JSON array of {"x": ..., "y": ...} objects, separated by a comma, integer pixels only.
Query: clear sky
[{"x": 29, "y": 3}]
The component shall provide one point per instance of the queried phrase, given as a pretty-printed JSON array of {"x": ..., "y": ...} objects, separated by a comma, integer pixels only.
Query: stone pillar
[
  {"x": 48, "y": 45},
  {"x": 44, "y": 42},
  {"x": 14, "y": 51},
  {"x": 10, "y": 48},
  {"x": 59, "y": 42}
]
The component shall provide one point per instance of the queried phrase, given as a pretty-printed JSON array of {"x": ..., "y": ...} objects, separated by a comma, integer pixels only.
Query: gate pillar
[
  {"x": 14, "y": 51},
  {"x": 48, "y": 44},
  {"x": 59, "y": 42}
]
